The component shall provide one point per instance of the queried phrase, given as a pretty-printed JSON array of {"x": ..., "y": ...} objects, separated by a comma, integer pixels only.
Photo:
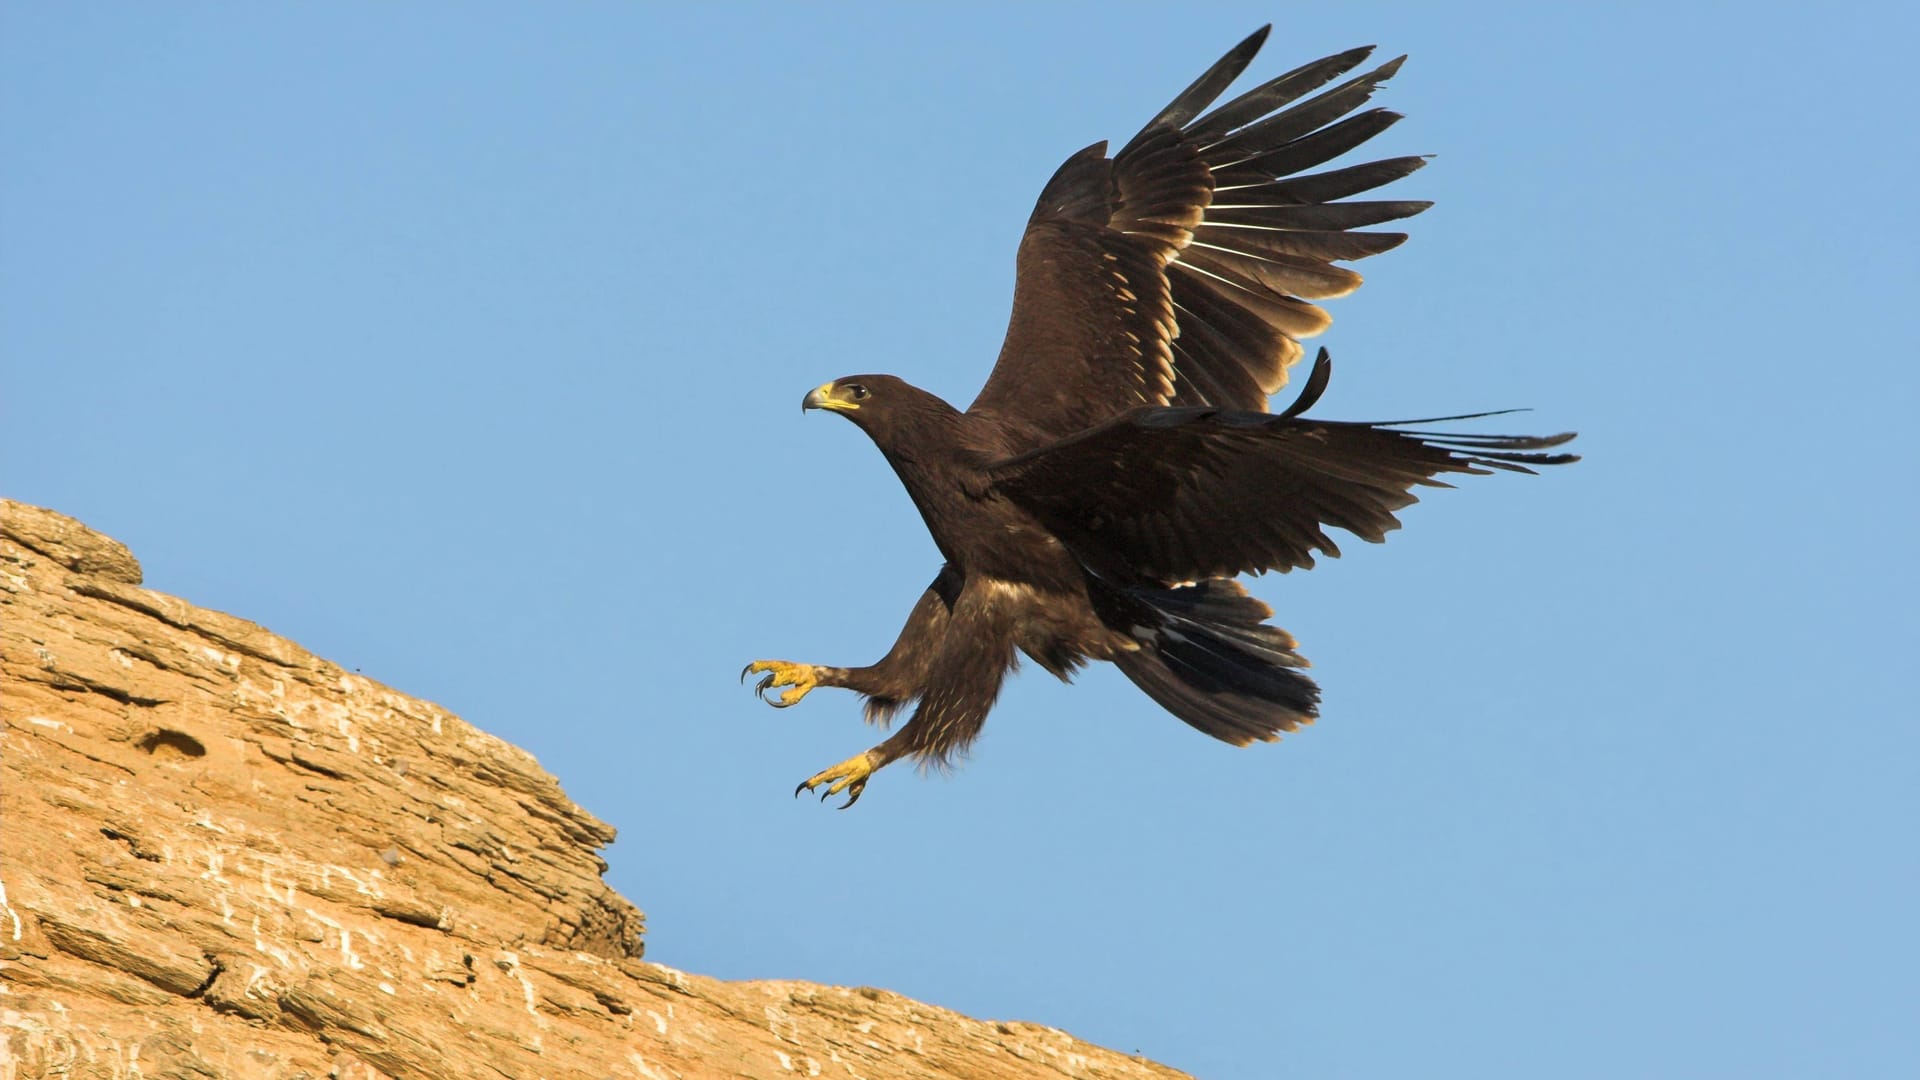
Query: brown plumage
[{"x": 1120, "y": 466}]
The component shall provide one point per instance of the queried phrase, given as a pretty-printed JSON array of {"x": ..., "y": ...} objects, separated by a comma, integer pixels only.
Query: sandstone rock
[{"x": 221, "y": 856}]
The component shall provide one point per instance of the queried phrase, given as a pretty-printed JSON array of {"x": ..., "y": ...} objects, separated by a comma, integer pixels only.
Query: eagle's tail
[{"x": 1208, "y": 657}]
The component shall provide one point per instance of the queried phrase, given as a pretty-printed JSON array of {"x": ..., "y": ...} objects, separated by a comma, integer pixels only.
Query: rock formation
[{"x": 221, "y": 856}]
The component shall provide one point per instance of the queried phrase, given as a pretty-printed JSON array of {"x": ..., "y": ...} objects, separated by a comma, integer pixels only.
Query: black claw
[
  {"x": 824, "y": 794},
  {"x": 801, "y": 788},
  {"x": 767, "y": 684},
  {"x": 852, "y": 797}
]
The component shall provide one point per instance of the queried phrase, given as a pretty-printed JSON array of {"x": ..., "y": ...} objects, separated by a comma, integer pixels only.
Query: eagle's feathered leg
[
  {"x": 962, "y": 679},
  {"x": 888, "y": 684}
]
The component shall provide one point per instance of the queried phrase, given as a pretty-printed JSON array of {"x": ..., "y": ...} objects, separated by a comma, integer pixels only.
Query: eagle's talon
[
  {"x": 850, "y": 776},
  {"x": 800, "y": 678}
]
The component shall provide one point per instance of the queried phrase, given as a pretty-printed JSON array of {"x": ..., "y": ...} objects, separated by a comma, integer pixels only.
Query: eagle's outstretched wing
[
  {"x": 1179, "y": 272},
  {"x": 1181, "y": 494}
]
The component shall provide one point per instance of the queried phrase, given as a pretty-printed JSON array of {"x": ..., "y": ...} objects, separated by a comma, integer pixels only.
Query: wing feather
[
  {"x": 1307, "y": 151},
  {"x": 1320, "y": 216},
  {"x": 1283, "y": 275},
  {"x": 1322, "y": 187},
  {"x": 1312, "y": 243}
]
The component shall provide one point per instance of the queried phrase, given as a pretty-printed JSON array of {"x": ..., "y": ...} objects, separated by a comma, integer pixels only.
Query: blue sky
[{"x": 462, "y": 344}]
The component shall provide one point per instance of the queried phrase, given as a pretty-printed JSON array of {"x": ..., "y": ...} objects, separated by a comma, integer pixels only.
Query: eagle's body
[{"x": 1119, "y": 468}]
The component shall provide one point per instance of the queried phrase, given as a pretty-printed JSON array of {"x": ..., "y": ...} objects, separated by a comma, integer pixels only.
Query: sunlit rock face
[{"x": 222, "y": 856}]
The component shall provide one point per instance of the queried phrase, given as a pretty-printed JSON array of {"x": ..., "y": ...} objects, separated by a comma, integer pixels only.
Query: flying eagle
[{"x": 1119, "y": 468}]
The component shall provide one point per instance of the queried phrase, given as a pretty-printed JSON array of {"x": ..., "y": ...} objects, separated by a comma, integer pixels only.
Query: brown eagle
[{"x": 1119, "y": 468}]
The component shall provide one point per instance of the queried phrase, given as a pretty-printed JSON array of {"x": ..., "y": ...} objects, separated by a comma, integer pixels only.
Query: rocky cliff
[{"x": 221, "y": 856}]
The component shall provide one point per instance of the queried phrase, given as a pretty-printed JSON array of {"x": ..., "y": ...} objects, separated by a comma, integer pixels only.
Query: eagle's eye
[{"x": 859, "y": 392}]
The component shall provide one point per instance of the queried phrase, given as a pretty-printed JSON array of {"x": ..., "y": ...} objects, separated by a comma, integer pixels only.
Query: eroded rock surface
[{"x": 221, "y": 856}]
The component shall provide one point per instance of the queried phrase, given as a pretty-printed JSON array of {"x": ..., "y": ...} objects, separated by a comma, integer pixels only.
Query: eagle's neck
[{"x": 940, "y": 455}]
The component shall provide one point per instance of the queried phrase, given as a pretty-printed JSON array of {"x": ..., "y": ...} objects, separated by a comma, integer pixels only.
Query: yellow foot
[
  {"x": 800, "y": 677},
  {"x": 849, "y": 776}
]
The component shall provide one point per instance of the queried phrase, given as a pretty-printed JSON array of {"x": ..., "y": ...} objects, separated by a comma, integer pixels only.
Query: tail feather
[{"x": 1207, "y": 656}]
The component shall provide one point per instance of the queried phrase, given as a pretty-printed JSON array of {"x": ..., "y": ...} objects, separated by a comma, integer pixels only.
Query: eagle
[{"x": 1120, "y": 468}]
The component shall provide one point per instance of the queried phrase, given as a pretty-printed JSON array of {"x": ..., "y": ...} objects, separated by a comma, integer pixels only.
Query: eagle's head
[{"x": 880, "y": 404}]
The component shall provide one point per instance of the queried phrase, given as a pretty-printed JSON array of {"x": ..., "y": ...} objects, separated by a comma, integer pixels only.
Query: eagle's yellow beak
[{"x": 825, "y": 396}]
